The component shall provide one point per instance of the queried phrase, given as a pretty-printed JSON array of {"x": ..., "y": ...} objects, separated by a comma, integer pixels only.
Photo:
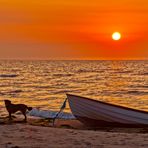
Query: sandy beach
[{"x": 39, "y": 133}]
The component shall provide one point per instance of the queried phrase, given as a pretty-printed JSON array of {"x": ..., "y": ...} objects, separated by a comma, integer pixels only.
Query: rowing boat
[{"x": 98, "y": 113}]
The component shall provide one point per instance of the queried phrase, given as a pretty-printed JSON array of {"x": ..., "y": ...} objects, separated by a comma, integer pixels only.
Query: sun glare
[{"x": 116, "y": 36}]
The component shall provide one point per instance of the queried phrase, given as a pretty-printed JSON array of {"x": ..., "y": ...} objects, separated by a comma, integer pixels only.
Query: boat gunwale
[{"x": 106, "y": 103}]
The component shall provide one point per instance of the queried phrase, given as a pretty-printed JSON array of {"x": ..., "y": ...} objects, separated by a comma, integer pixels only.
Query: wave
[
  {"x": 8, "y": 75},
  {"x": 13, "y": 92},
  {"x": 141, "y": 74},
  {"x": 137, "y": 92},
  {"x": 61, "y": 75},
  {"x": 89, "y": 71},
  {"x": 130, "y": 92},
  {"x": 144, "y": 86},
  {"x": 145, "y": 73},
  {"x": 16, "y": 91},
  {"x": 123, "y": 72},
  {"x": 45, "y": 87},
  {"x": 2, "y": 94},
  {"x": 139, "y": 86}
]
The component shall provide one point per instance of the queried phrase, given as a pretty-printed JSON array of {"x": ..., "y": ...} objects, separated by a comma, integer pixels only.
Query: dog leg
[{"x": 10, "y": 117}]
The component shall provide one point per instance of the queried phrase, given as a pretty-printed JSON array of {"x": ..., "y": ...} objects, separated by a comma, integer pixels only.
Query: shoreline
[{"x": 69, "y": 124}]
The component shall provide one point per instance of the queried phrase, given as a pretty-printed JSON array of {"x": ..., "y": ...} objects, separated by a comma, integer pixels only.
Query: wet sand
[{"x": 39, "y": 133}]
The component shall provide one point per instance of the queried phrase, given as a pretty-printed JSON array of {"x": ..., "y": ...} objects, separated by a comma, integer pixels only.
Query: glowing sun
[{"x": 116, "y": 36}]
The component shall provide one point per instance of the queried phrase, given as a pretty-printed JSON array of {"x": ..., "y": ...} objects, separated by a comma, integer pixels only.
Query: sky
[{"x": 73, "y": 29}]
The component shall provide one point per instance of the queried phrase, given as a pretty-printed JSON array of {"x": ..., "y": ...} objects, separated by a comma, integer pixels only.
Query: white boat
[{"x": 98, "y": 113}]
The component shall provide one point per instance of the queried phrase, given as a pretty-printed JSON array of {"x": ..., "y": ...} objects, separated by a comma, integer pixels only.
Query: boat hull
[{"x": 97, "y": 113}]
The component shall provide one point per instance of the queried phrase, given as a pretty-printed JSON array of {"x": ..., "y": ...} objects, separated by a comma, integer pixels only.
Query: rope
[{"x": 61, "y": 109}]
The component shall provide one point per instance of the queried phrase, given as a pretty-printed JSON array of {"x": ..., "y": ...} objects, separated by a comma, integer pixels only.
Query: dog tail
[{"x": 29, "y": 108}]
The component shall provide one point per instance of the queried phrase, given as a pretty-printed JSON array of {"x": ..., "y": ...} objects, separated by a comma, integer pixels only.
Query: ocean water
[{"x": 44, "y": 84}]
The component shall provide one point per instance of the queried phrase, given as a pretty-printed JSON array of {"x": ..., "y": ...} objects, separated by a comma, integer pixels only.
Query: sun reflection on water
[{"x": 43, "y": 84}]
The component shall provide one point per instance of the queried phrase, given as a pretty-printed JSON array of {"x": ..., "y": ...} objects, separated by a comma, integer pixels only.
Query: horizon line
[{"x": 62, "y": 59}]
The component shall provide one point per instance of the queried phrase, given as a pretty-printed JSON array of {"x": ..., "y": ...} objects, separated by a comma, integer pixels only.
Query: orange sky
[{"x": 73, "y": 29}]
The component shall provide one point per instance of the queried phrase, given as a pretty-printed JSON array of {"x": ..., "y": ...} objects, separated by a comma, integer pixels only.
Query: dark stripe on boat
[{"x": 96, "y": 123}]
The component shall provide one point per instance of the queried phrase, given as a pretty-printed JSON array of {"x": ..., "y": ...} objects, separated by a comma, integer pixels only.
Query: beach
[{"x": 39, "y": 133}]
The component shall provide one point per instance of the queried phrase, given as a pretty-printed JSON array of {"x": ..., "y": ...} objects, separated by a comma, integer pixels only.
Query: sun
[{"x": 116, "y": 36}]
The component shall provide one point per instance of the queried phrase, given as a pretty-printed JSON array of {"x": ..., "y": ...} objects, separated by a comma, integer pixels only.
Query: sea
[{"x": 44, "y": 84}]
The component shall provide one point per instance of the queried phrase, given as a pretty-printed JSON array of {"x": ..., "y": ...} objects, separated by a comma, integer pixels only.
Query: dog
[{"x": 12, "y": 108}]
